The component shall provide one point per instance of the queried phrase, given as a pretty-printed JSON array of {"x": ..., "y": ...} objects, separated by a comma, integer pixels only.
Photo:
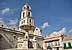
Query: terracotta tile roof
[{"x": 67, "y": 38}]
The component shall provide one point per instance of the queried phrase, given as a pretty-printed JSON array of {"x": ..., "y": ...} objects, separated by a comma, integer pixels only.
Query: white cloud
[
  {"x": 13, "y": 23},
  {"x": 6, "y": 10},
  {"x": 60, "y": 32},
  {"x": 1, "y": 20},
  {"x": 70, "y": 30},
  {"x": 46, "y": 24}
]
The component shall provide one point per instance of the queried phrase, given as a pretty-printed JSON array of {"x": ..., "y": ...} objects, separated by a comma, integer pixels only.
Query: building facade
[
  {"x": 53, "y": 42},
  {"x": 58, "y": 42},
  {"x": 67, "y": 43}
]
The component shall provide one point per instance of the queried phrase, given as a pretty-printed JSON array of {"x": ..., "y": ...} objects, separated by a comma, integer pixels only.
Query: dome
[{"x": 26, "y": 6}]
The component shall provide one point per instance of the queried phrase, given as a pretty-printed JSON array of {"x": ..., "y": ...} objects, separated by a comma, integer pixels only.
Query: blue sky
[{"x": 49, "y": 15}]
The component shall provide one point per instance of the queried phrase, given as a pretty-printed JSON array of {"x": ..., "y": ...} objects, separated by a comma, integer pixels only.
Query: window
[
  {"x": 30, "y": 20},
  {"x": 24, "y": 7},
  {"x": 38, "y": 45},
  {"x": 23, "y": 15},
  {"x": 27, "y": 7},
  {"x": 30, "y": 45},
  {"x": 57, "y": 43},
  {"x": 24, "y": 21},
  {"x": 36, "y": 29},
  {"x": 28, "y": 13},
  {"x": 67, "y": 47},
  {"x": 26, "y": 36},
  {"x": 69, "y": 44},
  {"x": 64, "y": 45},
  {"x": 57, "y": 48},
  {"x": 50, "y": 44}
]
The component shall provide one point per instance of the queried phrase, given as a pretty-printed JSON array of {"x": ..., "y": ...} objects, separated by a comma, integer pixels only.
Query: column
[
  {"x": 35, "y": 44},
  {"x": 44, "y": 45},
  {"x": 60, "y": 41}
]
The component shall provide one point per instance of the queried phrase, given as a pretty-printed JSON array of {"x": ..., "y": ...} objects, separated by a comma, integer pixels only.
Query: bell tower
[{"x": 26, "y": 21}]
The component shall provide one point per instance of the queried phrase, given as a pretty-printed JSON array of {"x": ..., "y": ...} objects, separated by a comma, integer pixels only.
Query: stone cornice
[{"x": 11, "y": 30}]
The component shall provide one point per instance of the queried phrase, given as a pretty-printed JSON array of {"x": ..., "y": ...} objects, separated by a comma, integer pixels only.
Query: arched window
[
  {"x": 69, "y": 44},
  {"x": 27, "y": 7},
  {"x": 38, "y": 45},
  {"x": 24, "y": 21},
  {"x": 36, "y": 29},
  {"x": 24, "y": 7},
  {"x": 64, "y": 45},
  {"x": 30, "y": 20},
  {"x": 28, "y": 13},
  {"x": 30, "y": 45},
  {"x": 23, "y": 15}
]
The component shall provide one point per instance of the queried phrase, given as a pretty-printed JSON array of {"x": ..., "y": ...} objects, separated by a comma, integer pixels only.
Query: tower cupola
[
  {"x": 26, "y": 6},
  {"x": 26, "y": 11},
  {"x": 26, "y": 21}
]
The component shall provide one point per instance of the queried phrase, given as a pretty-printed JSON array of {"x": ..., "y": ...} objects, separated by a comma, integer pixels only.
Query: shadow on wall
[{"x": 3, "y": 44}]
